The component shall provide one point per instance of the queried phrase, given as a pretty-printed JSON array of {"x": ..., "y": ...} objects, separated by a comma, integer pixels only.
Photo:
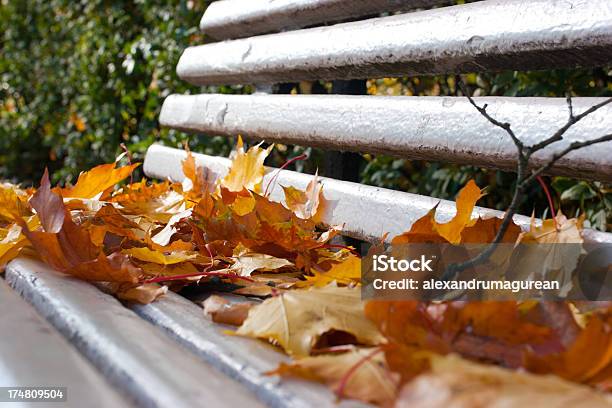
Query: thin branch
[
  {"x": 483, "y": 112},
  {"x": 559, "y": 155},
  {"x": 572, "y": 120},
  {"x": 523, "y": 179}
]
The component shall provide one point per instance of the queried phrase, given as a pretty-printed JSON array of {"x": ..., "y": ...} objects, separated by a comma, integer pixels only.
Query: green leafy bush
[{"x": 80, "y": 78}]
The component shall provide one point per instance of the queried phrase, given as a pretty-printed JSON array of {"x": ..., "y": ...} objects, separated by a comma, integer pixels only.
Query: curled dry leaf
[
  {"x": 11, "y": 242},
  {"x": 309, "y": 204},
  {"x": 143, "y": 294},
  {"x": 297, "y": 319},
  {"x": 360, "y": 373},
  {"x": 223, "y": 311}
]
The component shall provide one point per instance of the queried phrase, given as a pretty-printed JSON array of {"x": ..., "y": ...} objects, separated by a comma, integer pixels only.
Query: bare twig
[
  {"x": 557, "y": 156},
  {"x": 525, "y": 178},
  {"x": 483, "y": 111},
  {"x": 572, "y": 120}
]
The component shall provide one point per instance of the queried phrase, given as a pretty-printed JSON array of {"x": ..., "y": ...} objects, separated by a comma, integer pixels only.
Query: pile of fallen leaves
[{"x": 143, "y": 238}]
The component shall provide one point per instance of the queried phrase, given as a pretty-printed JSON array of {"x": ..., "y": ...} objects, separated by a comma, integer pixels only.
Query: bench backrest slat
[
  {"x": 227, "y": 19},
  {"x": 475, "y": 37},
  {"x": 429, "y": 128}
]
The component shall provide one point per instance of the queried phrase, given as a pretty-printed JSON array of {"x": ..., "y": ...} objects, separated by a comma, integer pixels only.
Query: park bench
[{"x": 65, "y": 332}]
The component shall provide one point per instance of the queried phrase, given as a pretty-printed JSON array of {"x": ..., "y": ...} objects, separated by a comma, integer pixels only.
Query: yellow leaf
[
  {"x": 147, "y": 255},
  {"x": 465, "y": 202},
  {"x": 99, "y": 179},
  {"x": 247, "y": 169},
  {"x": 11, "y": 242},
  {"x": 344, "y": 273},
  {"x": 13, "y": 202},
  {"x": 297, "y": 319},
  {"x": 558, "y": 231},
  {"x": 251, "y": 262},
  {"x": 243, "y": 204}
]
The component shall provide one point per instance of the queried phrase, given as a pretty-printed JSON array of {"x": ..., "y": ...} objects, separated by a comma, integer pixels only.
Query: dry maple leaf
[
  {"x": 307, "y": 204},
  {"x": 13, "y": 203},
  {"x": 297, "y": 319},
  {"x": 427, "y": 229},
  {"x": 487, "y": 331},
  {"x": 360, "y": 373},
  {"x": 196, "y": 179},
  {"x": 11, "y": 242},
  {"x": 346, "y": 272},
  {"x": 223, "y": 311},
  {"x": 171, "y": 258},
  {"x": 67, "y": 247},
  {"x": 455, "y": 382},
  {"x": 247, "y": 169},
  {"x": 587, "y": 360},
  {"x": 98, "y": 180},
  {"x": 554, "y": 254},
  {"x": 143, "y": 294}
]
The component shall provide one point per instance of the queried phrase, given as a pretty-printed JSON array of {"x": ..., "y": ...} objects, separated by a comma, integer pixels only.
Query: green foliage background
[{"x": 79, "y": 78}]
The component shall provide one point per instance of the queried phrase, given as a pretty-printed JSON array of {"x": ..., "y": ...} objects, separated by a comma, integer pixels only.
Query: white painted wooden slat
[
  {"x": 475, "y": 37},
  {"x": 446, "y": 129},
  {"x": 139, "y": 359},
  {"x": 34, "y": 354},
  {"x": 226, "y": 19},
  {"x": 366, "y": 212},
  {"x": 245, "y": 360}
]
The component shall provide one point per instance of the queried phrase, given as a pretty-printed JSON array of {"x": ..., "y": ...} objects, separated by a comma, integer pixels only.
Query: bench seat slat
[
  {"x": 136, "y": 357},
  {"x": 242, "y": 359},
  {"x": 475, "y": 37},
  {"x": 243, "y": 18},
  {"x": 446, "y": 129},
  {"x": 34, "y": 354},
  {"x": 366, "y": 212}
]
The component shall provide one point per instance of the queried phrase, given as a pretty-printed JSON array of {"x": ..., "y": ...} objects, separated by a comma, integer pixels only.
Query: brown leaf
[
  {"x": 346, "y": 272},
  {"x": 69, "y": 248},
  {"x": 49, "y": 206},
  {"x": 584, "y": 361},
  {"x": 143, "y": 294},
  {"x": 223, "y": 311}
]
